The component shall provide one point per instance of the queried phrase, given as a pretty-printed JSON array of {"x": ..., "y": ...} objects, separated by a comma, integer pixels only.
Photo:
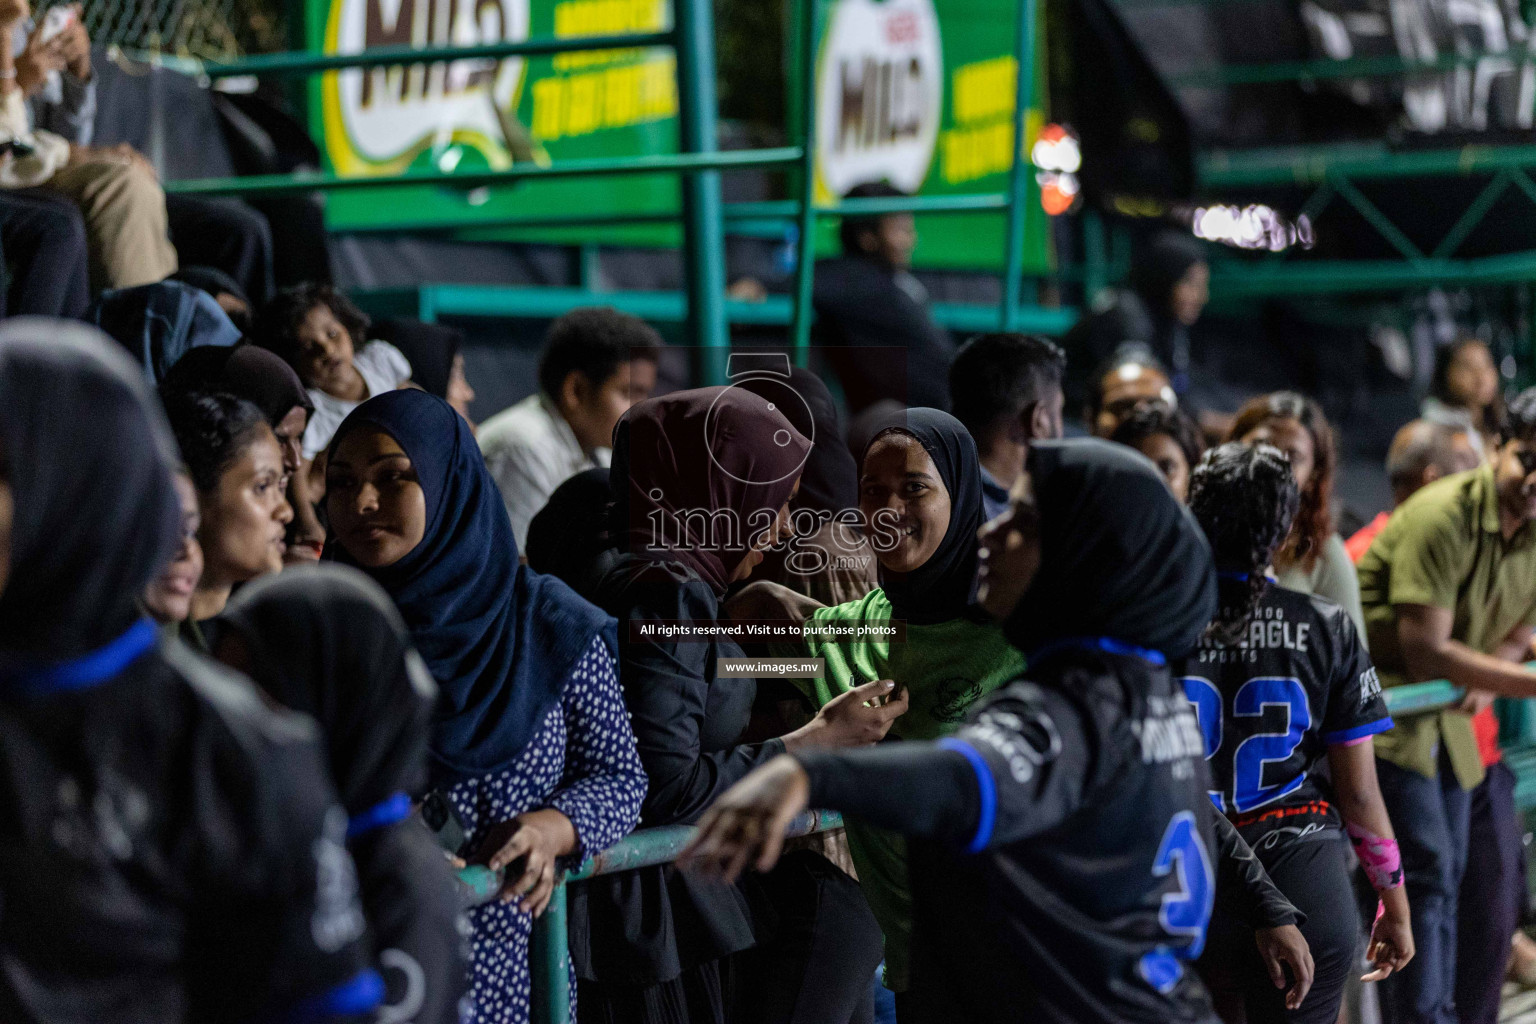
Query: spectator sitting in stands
[
  {"x": 1312, "y": 560},
  {"x": 236, "y": 465},
  {"x": 117, "y": 192},
  {"x": 210, "y": 231},
  {"x": 226, "y": 291},
  {"x": 437, "y": 362},
  {"x": 1464, "y": 391},
  {"x": 1169, "y": 287},
  {"x": 1167, "y": 437},
  {"x": 1421, "y": 453},
  {"x": 867, "y": 298},
  {"x": 316, "y": 330},
  {"x": 1007, "y": 392},
  {"x": 597, "y": 362},
  {"x": 168, "y": 598},
  {"x": 1130, "y": 377},
  {"x": 45, "y": 256},
  {"x": 161, "y": 322}
]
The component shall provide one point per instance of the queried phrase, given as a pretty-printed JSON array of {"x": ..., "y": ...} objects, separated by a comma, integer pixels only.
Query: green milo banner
[{"x": 916, "y": 92}]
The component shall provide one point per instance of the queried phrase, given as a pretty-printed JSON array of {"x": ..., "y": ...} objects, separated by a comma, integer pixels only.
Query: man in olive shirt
[{"x": 1449, "y": 590}]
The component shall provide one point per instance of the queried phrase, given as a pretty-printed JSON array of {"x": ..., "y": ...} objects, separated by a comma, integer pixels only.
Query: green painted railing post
[
  {"x": 703, "y": 231},
  {"x": 805, "y": 258},
  {"x": 1095, "y": 259},
  {"x": 1018, "y": 174},
  {"x": 549, "y": 954}
]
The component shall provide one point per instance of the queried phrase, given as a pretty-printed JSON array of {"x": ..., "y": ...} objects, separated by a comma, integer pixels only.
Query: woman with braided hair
[{"x": 1279, "y": 682}]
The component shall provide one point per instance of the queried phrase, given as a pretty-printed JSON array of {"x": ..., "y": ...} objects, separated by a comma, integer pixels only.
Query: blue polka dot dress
[{"x": 581, "y": 762}]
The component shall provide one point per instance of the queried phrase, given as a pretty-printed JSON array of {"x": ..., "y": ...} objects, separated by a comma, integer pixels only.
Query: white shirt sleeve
[
  {"x": 383, "y": 366},
  {"x": 526, "y": 479}
]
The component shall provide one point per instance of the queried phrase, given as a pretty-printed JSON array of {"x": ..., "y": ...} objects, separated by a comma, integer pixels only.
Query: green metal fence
[{"x": 698, "y": 165}]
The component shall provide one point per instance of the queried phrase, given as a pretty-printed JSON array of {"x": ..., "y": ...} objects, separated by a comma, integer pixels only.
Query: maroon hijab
[{"x": 699, "y": 475}]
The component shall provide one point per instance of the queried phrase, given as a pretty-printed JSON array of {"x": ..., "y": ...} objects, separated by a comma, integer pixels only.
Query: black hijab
[
  {"x": 500, "y": 639},
  {"x": 1120, "y": 557},
  {"x": 829, "y": 483},
  {"x": 245, "y": 371},
  {"x": 569, "y": 537},
  {"x": 88, "y": 456},
  {"x": 325, "y": 640},
  {"x": 1160, "y": 265},
  {"x": 941, "y": 588},
  {"x": 429, "y": 348}
]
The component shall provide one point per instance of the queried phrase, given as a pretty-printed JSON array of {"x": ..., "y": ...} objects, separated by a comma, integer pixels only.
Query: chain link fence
[{"x": 205, "y": 29}]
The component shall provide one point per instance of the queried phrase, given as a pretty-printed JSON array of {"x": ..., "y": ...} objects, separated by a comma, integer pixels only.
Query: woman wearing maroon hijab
[{"x": 702, "y": 481}]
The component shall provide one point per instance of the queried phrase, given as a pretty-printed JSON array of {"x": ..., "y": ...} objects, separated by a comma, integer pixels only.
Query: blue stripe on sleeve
[
  {"x": 358, "y": 995},
  {"x": 1359, "y": 731},
  {"x": 987, "y": 788}
]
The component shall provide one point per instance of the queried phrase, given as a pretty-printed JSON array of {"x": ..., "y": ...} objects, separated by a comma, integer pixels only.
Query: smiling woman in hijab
[
  {"x": 172, "y": 849},
  {"x": 921, "y": 492},
  {"x": 701, "y": 481},
  {"x": 326, "y": 641},
  {"x": 529, "y": 742},
  {"x": 827, "y": 559},
  {"x": 1062, "y": 841}
]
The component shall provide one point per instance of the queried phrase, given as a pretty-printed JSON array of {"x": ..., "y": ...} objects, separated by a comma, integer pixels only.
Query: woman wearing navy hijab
[
  {"x": 530, "y": 739},
  {"x": 170, "y": 848}
]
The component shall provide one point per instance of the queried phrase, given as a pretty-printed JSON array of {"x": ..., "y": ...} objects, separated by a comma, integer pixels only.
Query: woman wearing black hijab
[
  {"x": 263, "y": 379},
  {"x": 569, "y": 538},
  {"x": 701, "y": 482},
  {"x": 529, "y": 742},
  {"x": 1169, "y": 287},
  {"x": 436, "y": 356},
  {"x": 827, "y": 559},
  {"x": 171, "y": 848},
  {"x": 326, "y": 641},
  {"x": 1064, "y": 861}
]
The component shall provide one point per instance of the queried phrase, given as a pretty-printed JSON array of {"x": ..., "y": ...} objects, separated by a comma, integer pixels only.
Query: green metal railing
[
  {"x": 549, "y": 952},
  {"x": 698, "y": 166}
]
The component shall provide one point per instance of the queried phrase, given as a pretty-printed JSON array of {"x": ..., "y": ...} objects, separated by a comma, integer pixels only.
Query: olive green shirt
[{"x": 1443, "y": 548}]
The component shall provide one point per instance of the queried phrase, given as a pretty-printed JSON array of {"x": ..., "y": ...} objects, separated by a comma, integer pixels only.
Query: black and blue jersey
[
  {"x": 1270, "y": 706},
  {"x": 1064, "y": 859}
]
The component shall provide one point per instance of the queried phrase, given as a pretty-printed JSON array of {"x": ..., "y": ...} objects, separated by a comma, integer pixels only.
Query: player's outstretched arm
[{"x": 1018, "y": 768}]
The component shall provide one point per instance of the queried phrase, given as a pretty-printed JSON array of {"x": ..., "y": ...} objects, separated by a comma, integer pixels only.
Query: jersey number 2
[
  {"x": 1253, "y": 753},
  {"x": 1186, "y": 911}
]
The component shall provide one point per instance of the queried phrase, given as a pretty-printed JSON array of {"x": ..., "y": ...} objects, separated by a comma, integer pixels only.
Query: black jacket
[{"x": 170, "y": 849}]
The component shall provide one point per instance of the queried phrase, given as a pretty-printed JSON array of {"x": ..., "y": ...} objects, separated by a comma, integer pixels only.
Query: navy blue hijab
[
  {"x": 500, "y": 639},
  {"x": 943, "y": 587}
]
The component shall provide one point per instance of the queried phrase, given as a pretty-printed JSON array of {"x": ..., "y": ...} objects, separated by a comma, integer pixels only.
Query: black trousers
[
  {"x": 224, "y": 234},
  {"x": 1314, "y": 875},
  {"x": 818, "y": 946},
  {"x": 43, "y": 239},
  {"x": 1488, "y": 908}
]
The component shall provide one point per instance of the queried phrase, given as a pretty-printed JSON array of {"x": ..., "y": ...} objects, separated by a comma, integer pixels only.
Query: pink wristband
[{"x": 1379, "y": 857}]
